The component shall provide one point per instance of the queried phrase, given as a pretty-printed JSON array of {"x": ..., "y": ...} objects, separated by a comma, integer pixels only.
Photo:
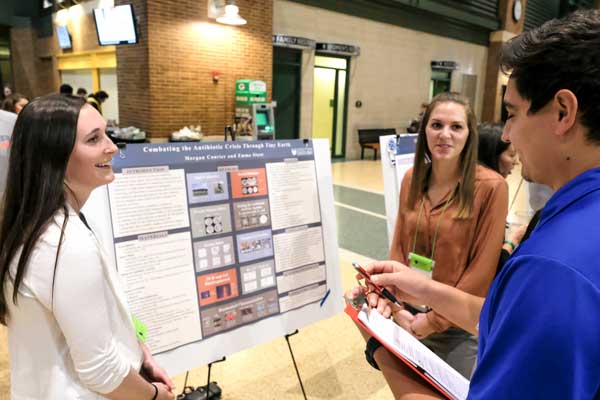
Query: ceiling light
[{"x": 228, "y": 14}]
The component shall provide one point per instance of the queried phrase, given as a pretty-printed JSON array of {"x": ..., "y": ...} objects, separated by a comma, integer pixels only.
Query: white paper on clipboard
[{"x": 410, "y": 348}]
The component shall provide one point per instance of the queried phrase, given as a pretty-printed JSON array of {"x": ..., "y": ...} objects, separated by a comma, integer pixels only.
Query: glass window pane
[
  {"x": 441, "y": 75},
  {"x": 331, "y": 62}
]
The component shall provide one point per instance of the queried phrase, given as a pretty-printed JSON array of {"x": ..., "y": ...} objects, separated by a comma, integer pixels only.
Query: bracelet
[
  {"x": 155, "y": 391},
  {"x": 372, "y": 345},
  {"x": 511, "y": 244}
]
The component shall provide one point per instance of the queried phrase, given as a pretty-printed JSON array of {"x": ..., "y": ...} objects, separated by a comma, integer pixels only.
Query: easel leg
[
  {"x": 287, "y": 339},
  {"x": 216, "y": 390}
]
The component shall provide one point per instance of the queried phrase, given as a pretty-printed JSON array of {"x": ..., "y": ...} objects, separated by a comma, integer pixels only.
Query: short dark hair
[
  {"x": 81, "y": 92},
  {"x": 65, "y": 88},
  {"x": 491, "y": 144},
  {"x": 560, "y": 54},
  {"x": 101, "y": 95}
]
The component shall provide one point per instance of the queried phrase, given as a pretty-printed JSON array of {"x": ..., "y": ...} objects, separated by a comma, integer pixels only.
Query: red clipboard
[{"x": 353, "y": 313}]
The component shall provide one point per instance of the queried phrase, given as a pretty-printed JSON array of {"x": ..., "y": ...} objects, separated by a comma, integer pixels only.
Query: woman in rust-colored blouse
[{"x": 450, "y": 222}]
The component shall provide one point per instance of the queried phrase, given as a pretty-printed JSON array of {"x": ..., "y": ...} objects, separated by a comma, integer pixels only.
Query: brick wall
[
  {"x": 165, "y": 82},
  {"x": 34, "y": 61},
  {"x": 22, "y": 46},
  {"x": 34, "y": 67},
  {"x": 48, "y": 78},
  {"x": 133, "y": 80}
]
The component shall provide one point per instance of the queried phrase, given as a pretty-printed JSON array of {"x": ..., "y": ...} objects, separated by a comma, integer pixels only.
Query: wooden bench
[{"x": 369, "y": 138}]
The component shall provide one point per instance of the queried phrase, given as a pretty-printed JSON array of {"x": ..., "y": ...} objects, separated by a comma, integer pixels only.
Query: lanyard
[{"x": 437, "y": 227}]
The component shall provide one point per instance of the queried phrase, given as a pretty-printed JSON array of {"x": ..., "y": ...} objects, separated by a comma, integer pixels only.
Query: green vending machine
[{"x": 253, "y": 115}]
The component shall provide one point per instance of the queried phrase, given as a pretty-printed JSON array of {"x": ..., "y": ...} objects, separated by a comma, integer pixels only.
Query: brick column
[
  {"x": 133, "y": 66},
  {"x": 33, "y": 64},
  {"x": 494, "y": 78},
  {"x": 165, "y": 81},
  {"x": 22, "y": 43}
]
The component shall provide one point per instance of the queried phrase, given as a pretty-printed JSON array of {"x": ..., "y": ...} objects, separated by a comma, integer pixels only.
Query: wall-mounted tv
[
  {"x": 64, "y": 38},
  {"x": 115, "y": 25}
]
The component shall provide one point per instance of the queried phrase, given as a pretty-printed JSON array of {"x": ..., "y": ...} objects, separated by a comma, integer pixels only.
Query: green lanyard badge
[
  {"x": 141, "y": 331},
  {"x": 417, "y": 261}
]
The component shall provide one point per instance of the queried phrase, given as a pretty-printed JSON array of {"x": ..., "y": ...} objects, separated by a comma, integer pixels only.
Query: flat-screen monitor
[
  {"x": 64, "y": 38},
  {"x": 115, "y": 25}
]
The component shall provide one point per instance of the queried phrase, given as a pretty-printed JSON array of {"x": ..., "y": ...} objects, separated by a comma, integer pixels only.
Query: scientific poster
[{"x": 222, "y": 245}]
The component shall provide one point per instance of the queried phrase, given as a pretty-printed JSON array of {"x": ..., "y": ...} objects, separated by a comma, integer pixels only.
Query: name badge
[
  {"x": 421, "y": 264},
  {"x": 141, "y": 331}
]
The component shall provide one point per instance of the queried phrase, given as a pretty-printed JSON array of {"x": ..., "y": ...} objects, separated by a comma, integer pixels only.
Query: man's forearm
[{"x": 460, "y": 307}]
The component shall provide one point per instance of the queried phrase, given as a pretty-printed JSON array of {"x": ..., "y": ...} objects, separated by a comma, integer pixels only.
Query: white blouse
[{"x": 81, "y": 343}]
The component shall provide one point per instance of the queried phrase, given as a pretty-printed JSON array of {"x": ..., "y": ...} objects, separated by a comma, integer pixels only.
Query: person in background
[
  {"x": 96, "y": 99},
  {"x": 65, "y": 88},
  {"x": 70, "y": 330},
  {"x": 452, "y": 213},
  {"x": 6, "y": 91},
  {"x": 413, "y": 126},
  {"x": 501, "y": 156},
  {"x": 15, "y": 103},
  {"x": 495, "y": 153},
  {"x": 81, "y": 92}
]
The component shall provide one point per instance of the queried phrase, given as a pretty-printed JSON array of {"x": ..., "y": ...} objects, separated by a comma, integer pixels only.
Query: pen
[
  {"x": 324, "y": 298},
  {"x": 391, "y": 297},
  {"x": 383, "y": 291}
]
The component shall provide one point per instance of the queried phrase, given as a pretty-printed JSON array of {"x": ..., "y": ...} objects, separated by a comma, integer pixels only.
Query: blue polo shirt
[{"x": 539, "y": 329}]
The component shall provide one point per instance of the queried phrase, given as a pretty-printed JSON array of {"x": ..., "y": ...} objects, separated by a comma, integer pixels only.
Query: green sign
[{"x": 248, "y": 92}]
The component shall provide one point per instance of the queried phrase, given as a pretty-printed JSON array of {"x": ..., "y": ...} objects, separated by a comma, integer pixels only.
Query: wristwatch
[{"x": 372, "y": 345}]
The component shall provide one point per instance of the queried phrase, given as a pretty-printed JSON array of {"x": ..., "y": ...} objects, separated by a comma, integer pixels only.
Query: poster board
[
  {"x": 397, "y": 156},
  {"x": 222, "y": 245}
]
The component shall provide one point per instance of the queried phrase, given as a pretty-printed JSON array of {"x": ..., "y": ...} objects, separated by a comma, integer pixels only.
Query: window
[{"x": 440, "y": 81}]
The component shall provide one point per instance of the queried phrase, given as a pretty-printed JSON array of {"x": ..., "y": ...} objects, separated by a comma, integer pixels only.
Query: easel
[{"x": 212, "y": 390}]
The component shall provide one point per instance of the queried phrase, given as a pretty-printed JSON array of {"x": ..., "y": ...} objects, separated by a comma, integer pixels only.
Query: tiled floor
[{"x": 329, "y": 353}]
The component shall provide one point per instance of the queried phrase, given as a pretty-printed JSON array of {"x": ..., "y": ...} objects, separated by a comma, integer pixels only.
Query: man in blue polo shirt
[{"x": 539, "y": 328}]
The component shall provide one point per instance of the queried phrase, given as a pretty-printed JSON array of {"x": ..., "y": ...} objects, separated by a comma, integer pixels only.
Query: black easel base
[{"x": 214, "y": 393}]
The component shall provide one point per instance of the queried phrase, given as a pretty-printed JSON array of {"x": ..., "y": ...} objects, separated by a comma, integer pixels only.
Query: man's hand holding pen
[{"x": 387, "y": 284}]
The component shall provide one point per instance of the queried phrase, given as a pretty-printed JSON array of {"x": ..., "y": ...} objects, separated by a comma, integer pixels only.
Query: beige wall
[{"x": 391, "y": 75}]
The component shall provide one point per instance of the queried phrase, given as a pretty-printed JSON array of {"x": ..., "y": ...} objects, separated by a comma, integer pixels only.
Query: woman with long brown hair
[
  {"x": 450, "y": 224},
  {"x": 70, "y": 332}
]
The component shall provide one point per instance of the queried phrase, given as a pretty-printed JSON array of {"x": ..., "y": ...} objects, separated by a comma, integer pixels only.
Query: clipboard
[{"x": 434, "y": 379}]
